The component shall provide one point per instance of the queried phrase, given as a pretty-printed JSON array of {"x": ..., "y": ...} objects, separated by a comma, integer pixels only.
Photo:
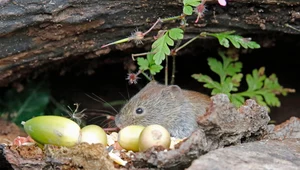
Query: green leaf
[
  {"x": 271, "y": 99},
  {"x": 236, "y": 79},
  {"x": 188, "y": 6},
  {"x": 255, "y": 81},
  {"x": 259, "y": 99},
  {"x": 260, "y": 88},
  {"x": 149, "y": 64},
  {"x": 155, "y": 69},
  {"x": 191, "y": 2},
  {"x": 187, "y": 10},
  {"x": 150, "y": 58},
  {"x": 209, "y": 83},
  {"x": 143, "y": 63},
  {"x": 236, "y": 40},
  {"x": 21, "y": 106},
  {"x": 234, "y": 68},
  {"x": 161, "y": 46},
  {"x": 237, "y": 100},
  {"x": 215, "y": 65},
  {"x": 176, "y": 33}
]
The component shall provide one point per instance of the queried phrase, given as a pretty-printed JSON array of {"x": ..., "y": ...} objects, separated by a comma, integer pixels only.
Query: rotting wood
[{"x": 38, "y": 33}]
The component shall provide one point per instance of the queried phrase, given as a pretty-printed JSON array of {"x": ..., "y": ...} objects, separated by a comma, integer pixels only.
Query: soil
[{"x": 9, "y": 131}]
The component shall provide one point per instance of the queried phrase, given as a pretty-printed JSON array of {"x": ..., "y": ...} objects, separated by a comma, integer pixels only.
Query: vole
[{"x": 170, "y": 106}]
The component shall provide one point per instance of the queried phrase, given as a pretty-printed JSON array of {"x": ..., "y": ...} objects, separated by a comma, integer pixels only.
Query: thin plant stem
[
  {"x": 173, "y": 62},
  {"x": 166, "y": 71},
  {"x": 146, "y": 76},
  {"x": 173, "y": 70},
  {"x": 157, "y": 21},
  {"x": 162, "y": 20},
  {"x": 187, "y": 43},
  {"x": 175, "y": 53},
  {"x": 172, "y": 18},
  {"x": 287, "y": 25}
]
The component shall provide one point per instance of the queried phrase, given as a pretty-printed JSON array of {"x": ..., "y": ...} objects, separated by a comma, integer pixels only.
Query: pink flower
[
  {"x": 200, "y": 9},
  {"x": 222, "y": 2},
  {"x": 132, "y": 78}
]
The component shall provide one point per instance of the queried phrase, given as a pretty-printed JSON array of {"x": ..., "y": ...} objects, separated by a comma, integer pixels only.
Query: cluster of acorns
[{"x": 61, "y": 131}]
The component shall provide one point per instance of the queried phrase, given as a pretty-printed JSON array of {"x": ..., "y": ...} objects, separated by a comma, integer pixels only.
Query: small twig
[
  {"x": 140, "y": 54},
  {"x": 288, "y": 25}
]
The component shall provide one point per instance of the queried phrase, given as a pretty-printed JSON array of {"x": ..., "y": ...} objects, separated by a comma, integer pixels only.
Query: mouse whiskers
[
  {"x": 100, "y": 100},
  {"x": 100, "y": 117}
]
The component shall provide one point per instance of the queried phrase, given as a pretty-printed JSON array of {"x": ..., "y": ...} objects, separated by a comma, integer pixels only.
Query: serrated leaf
[
  {"x": 260, "y": 88},
  {"x": 155, "y": 69},
  {"x": 234, "y": 68},
  {"x": 176, "y": 33},
  {"x": 236, "y": 79},
  {"x": 271, "y": 99},
  {"x": 223, "y": 41},
  {"x": 255, "y": 81},
  {"x": 169, "y": 42},
  {"x": 209, "y": 83},
  {"x": 215, "y": 65},
  {"x": 161, "y": 46},
  {"x": 259, "y": 99},
  {"x": 143, "y": 63},
  {"x": 237, "y": 100},
  {"x": 253, "y": 45},
  {"x": 226, "y": 87},
  {"x": 236, "y": 40}
]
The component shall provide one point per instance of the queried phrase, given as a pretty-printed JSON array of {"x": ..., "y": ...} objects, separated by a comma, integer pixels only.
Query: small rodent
[{"x": 170, "y": 106}]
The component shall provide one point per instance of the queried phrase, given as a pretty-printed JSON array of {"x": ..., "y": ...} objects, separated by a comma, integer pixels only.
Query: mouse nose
[{"x": 118, "y": 122}]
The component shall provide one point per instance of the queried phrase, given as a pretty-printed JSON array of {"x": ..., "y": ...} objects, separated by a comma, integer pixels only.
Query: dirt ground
[{"x": 9, "y": 131}]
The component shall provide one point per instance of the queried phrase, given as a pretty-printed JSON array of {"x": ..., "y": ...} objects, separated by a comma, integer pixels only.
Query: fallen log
[{"x": 37, "y": 35}]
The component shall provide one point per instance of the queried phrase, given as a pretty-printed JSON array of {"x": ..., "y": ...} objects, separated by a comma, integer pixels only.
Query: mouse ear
[{"x": 172, "y": 91}]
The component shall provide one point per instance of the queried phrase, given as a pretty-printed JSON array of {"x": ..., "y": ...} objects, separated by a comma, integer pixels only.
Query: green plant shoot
[
  {"x": 160, "y": 47},
  {"x": 149, "y": 64},
  {"x": 188, "y": 6},
  {"x": 261, "y": 88},
  {"x": 236, "y": 40}
]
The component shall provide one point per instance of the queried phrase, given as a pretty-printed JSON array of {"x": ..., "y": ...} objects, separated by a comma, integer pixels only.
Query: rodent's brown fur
[{"x": 170, "y": 106}]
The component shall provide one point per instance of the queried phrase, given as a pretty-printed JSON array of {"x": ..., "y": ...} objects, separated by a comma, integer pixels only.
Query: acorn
[
  {"x": 154, "y": 135},
  {"x": 93, "y": 134},
  {"x": 128, "y": 137},
  {"x": 56, "y": 130}
]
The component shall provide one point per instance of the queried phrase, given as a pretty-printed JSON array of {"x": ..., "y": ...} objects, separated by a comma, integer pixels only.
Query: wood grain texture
[{"x": 35, "y": 33}]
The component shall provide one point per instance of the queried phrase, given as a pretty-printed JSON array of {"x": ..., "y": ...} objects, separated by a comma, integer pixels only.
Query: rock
[{"x": 259, "y": 155}]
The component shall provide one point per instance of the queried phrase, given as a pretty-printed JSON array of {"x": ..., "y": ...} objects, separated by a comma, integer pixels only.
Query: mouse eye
[{"x": 139, "y": 110}]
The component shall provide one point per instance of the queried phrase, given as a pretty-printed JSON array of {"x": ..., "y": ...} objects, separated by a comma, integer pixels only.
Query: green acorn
[{"x": 55, "y": 130}]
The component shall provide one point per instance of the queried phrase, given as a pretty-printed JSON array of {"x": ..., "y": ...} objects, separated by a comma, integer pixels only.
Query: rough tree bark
[{"x": 38, "y": 33}]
